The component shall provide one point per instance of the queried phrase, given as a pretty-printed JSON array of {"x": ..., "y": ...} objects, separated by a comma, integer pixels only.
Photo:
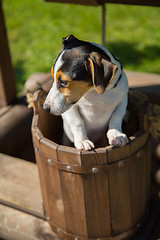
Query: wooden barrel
[{"x": 100, "y": 194}]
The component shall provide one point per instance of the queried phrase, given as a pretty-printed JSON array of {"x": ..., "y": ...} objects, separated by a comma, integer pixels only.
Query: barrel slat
[
  {"x": 74, "y": 205},
  {"x": 96, "y": 188},
  {"x": 120, "y": 199}
]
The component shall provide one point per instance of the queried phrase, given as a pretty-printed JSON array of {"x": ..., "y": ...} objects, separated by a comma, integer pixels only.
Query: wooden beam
[
  {"x": 7, "y": 80},
  {"x": 132, "y": 2},
  {"x": 81, "y": 2},
  {"x": 100, "y": 2},
  {"x": 103, "y": 25},
  {"x": 19, "y": 185},
  {"x": 17, "y": 225}
]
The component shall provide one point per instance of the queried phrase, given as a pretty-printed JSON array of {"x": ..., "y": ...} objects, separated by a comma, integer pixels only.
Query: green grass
[{"x": 35, "y": 29}]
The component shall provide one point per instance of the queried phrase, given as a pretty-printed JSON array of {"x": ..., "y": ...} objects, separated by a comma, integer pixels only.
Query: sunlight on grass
[{"x": 35, "y": 29}]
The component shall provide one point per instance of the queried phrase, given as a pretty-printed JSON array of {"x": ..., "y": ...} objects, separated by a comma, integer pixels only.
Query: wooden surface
[
  {"x": 96, "y": 195},
  {"x": 149, "y": 83},
  {"x": 7, "y": 80},
  {"x": 19, "y": 185},
  {"x": 99, "y": 2},
  {"x": 17, "y": 225},
  {"x": 15, "y": 130}
]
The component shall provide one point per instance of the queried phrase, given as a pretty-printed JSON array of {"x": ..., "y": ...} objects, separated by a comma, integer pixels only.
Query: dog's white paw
[
  {"x": 84, "y": 144},
  {"x": 117, "y": 138}
]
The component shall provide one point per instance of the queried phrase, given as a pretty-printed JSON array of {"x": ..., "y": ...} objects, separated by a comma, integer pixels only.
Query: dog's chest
[{"x": 96, "y": 109}]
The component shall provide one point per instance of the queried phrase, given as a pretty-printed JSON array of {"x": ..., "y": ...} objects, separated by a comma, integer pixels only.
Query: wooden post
[
  {"x": 7, "y": 80},
  {"x": 103, "y": 24}
]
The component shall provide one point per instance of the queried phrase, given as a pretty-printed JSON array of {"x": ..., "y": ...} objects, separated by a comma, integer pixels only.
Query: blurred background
[{"x": 35, "y": 30}]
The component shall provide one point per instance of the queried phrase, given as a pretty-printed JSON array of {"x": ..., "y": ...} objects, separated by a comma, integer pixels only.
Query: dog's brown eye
[{"x": 62, "y": 83}]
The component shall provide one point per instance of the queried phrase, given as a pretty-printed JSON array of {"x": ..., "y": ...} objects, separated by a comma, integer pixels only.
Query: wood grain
[
  {"x": 19, "y": 185},
  {"x": 99, "y": 2},
  {"x": 17, "y": 225},
  {"x": 96, "y": 188},
  {"x": 94, "y": 204},
  {"x": 7, "y": 80}
]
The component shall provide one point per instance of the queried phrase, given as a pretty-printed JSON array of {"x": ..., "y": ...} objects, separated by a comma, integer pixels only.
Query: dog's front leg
[
  {"x": 115, "y": 135},
  {"x": 75, "y": 129}
]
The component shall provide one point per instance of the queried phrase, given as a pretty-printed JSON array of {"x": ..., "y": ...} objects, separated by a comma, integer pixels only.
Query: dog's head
[{"x": 79, "y": 66}]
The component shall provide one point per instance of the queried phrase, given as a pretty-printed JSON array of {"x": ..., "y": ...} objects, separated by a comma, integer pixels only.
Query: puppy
[{"x": 90, "y": 92}]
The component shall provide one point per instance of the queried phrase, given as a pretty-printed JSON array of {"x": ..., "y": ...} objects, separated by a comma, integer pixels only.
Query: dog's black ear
[
  {"x": 102, "y": 71},
  {"x": 67, "y": 40}
]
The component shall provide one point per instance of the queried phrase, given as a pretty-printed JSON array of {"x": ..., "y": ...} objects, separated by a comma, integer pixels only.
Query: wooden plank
[
  {"x": 72, "y": 193},
  {"x": 117, "y": 153},
  {"x": 120, "y": 199},
  {"x": 96, "y": 194},
  {"x": 48, "y": 148},
  {"x": 50, "y": 183},
  {"x": 138, "y": 141},
  {"x": 140, "y": 185},
  {"x": 15, "y": 129},
  {"x": 55, "y": 199},
  {"x": 51, "y": 191},
  {"x": 82, "y": 2},
  {"x": 99, "y": 2},
  {"x": 129, "y": 191},
  {"x": 19, "y": 185},
  {"x": 37, "y": 80},
  {"x": 49, "y": 125},
  {"x": 74, "y": 205},
  {"x": 7, "y": 80},
  {"x": 132, "y": 2},
  {"x": 69, "y": 155},
  {"x": 147, "y": 83},
  {"x": 43, "y": 172},
  {"x": 17, "y": 225}
]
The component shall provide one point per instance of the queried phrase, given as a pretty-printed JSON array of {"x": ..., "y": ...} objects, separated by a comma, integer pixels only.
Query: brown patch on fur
[
  {"x": 74, "y": 91},
  {"x": 52, "y": 72},
  {"x": 62, "y": 76}
]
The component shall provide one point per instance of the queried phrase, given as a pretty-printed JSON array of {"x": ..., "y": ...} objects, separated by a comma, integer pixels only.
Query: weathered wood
[
  {"x": 7, "y": 80},
  {"x": 116, "y": 153},
  {"x": 97, "y": 202},
  {"x": 17, "y": 225},
  {"x": 74, "y": 205},
  {"x": 69, "y": 155},
  {"x": 15, "y": 132},
  {"x": 72, "y": 193},
  {"x": 103, "y": 25},
  {"x": 37, "y": 80},
  {"x": 82, "y": 2},
  {"x": 99, "y": 2},
  {"x": 132, "y": 2},
  {"x": 148, "y": 83},
  {"x": 53, "y": 129},
  {"x": 19, "y": 185},
  {"x": 120, "y": 204},
  {"x": 94, "y": 194}
]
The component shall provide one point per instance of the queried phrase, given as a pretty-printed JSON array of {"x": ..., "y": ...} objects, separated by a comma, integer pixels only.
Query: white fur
[
  {"x": 90, "y": 117},
  {"x": 55, "y": 99}
]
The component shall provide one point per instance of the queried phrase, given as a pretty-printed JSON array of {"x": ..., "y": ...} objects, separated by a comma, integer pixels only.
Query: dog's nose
[{"x": 46, "y": 107}]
